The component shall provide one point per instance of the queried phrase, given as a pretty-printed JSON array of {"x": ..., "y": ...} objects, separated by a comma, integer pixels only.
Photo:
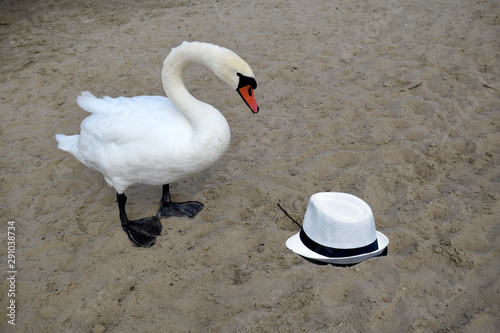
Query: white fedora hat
[{"x": 338, "y": 228}]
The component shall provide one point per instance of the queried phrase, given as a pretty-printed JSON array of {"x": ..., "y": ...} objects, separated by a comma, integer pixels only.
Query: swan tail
[
  {"x": 92, "y": 104},
  {"x": 68, "y": 143}
]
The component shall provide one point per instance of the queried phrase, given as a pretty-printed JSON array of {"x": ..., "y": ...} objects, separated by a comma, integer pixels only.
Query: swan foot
[
  {"x": 142, "y": 232},
  {"x": 179, "y": 209}
]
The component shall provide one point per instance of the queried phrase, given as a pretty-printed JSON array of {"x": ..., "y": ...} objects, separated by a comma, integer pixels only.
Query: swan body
[
  {"x": 156, "y": 140},
  {"x": 142, "y": 140}
]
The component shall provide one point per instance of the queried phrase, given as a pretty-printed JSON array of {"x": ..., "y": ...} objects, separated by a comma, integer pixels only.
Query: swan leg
[
  {"x": 142, "y": 232},
  {"x": 169, "y": 208}
]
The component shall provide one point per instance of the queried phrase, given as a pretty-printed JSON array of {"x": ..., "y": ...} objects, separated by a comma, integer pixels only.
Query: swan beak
[{"x": 247, "y": 94}]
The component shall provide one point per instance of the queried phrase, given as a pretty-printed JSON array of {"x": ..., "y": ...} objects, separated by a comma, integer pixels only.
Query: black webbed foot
[
  {"x": 142, "y": 232},
  {"x": 179, "y": 209},
  {"x": 189, "y": 209}
]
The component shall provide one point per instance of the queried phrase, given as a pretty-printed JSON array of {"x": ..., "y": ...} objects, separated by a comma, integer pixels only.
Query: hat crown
[{"x": 339, "y": 220}]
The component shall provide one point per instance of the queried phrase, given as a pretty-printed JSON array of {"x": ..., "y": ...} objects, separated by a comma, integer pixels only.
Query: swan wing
[
  {"x": 121, "y": 120},
  {"x": 132, "y": 130}
]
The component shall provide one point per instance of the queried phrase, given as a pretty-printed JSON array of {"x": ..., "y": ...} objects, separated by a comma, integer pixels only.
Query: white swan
[{"x": 155, "y": 140}]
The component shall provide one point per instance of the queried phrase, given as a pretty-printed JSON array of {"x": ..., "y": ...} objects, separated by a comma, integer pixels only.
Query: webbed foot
[
  {"x": 189, "y": 209},
  {"x": 142, "y": 232},
  {"x": 179, "y": 209}
]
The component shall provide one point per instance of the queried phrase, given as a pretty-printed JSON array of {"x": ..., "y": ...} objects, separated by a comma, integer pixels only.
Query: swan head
[
  {"x": 226, "y": 65},
  {"x": 246, "y": 85},
  {"x": 233, "y": 70}
]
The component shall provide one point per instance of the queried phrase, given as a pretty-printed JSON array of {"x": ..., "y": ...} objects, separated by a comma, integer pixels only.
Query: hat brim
[{"x": 295, "y": 244}]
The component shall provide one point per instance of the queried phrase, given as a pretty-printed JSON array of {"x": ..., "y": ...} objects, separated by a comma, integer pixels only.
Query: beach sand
[{"x": 395, "y": 102}]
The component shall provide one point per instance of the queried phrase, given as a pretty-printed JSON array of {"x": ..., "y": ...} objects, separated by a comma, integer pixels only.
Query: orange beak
[{"x": 247, "y": 94}]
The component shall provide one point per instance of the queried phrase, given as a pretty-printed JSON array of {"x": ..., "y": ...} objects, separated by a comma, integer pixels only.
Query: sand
[{"x": 395, "y": 102}]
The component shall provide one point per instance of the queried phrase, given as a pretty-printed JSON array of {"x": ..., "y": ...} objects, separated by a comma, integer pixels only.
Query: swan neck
[
  {"x": 173, "y": 84},
  {"x": 173, "y": 67},
  {"x": 208, "y": 123}
]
